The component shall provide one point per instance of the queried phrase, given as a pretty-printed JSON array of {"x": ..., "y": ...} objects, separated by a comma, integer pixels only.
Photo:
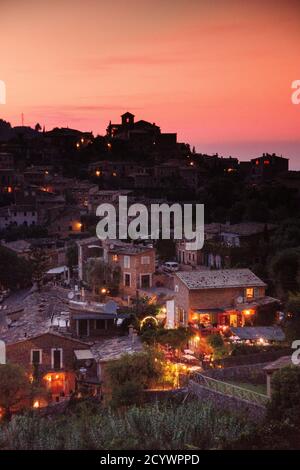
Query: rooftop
[
  {"x": 283, "y": 361},
  {"x": 247, "y": 228},
  {"x": 220, "y": 279},
  {"x": 34, "y": 318},
  {"x": 114, "y": 348},
  {"x": 269, "y": 333},
  {"x": 18, "y": 246},
  {"x": 130, "y": 249},
  {"x": 242, "y": 229}
]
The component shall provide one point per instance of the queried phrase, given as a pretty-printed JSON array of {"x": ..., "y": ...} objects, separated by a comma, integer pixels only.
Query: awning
[
  {"x": 93, "y": 316},
  {"x": 269, "y": 333},
  {"x": 257, "y": 303},
  {"x": 58, "y": 270},
  {"x": 208, "y": 310},
  {"x": 83, "y": 354}
]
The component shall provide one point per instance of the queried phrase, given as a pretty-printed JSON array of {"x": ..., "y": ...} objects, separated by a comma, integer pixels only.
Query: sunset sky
[{"x": 218, "y": 72}]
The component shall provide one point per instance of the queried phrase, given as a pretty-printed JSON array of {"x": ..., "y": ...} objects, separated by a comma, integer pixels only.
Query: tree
[
  {"x": 285, "y": 400},
  {"x": 38, "y": 127},
  {"x": 285, "y": 268},
  {"x": 14, "y": 387},
  {"x": 72, "y": 256},
  {"x": 166, "y": 249},
  {"x": 293, "y": 304},
  {"x": 174, "y": 338},
  {"x": 215, "y": 341},
  {"x": 133, "y": 373},
  {"x": 14, "y": 272},
  {"x": 143, "y": 308},
  {"x": 101, "y": 274},
  {"x": 40, "y": 263},
  {"x": 292, "y": 325},
  {"x": 217, "y": 344}
]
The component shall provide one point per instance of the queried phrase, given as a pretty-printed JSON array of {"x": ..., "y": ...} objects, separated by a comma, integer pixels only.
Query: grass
[{"x": 258, "y": 388}]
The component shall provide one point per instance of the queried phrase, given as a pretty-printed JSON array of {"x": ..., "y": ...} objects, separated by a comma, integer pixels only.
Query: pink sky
[{"x": 217, "y": 72}]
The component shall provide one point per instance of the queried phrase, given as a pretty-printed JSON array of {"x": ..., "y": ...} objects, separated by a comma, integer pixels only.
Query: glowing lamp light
[
  {"x": 78, "y": 145},
  {"x": 57, "y": 376},
  {"x": 98, "y": 173},
  {"x": 103, "y": 290},
  {"x": 36, "y": 404},
  {"x": 149, "y": 317}
]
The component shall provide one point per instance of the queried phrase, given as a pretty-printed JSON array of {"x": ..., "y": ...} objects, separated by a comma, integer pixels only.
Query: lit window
[
  {"x": 249, "y": 293},
  {"x": 115, "y": 257}
]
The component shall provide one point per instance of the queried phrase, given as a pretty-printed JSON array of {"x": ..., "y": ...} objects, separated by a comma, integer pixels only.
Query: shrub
[
  {"x": 285, "y": 400},
  {"x": 215, "y": 341},
  {"x": 156, "y": 426}
]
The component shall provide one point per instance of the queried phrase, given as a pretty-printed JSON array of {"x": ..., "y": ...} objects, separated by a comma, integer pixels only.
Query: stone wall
[
  {"x": 221, "y": 401},
  {"x": 252, "y": 373}
]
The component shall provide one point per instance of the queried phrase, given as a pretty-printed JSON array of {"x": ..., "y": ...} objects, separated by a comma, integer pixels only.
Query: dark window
[
  {"x": 181, "y": 315},
  {"x": 100, "y": 324},
  {"x": 127, "y": 280},
  {"x": 36, "y": 357},
  {"x": 145, "y": 281},
  {"x": 56, "y": 359}
]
